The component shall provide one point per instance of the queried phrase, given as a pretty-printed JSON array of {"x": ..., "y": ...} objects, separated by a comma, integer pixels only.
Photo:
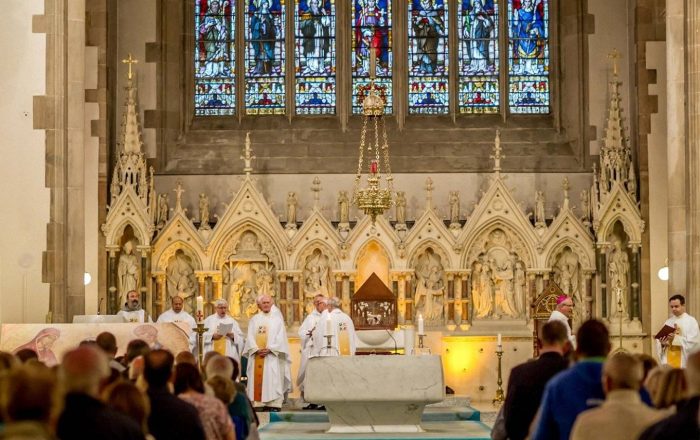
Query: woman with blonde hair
[{"x": 667, "y": 386}]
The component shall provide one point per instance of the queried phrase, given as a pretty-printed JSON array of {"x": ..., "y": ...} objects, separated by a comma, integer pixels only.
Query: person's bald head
[
  {"x": 692, "y": 373},
  {"x": 622, "y": 371},
  {"x": 264, "y": 303},
  {"x": 83, "y": 369}
]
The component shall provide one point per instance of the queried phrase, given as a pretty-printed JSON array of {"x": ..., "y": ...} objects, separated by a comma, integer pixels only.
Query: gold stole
[
  {"x": 220, "y": 345},
  {"x": 344, "y": 342},
  {"x": 261, "y": 342},
  {"x": 674, "y": 355}
]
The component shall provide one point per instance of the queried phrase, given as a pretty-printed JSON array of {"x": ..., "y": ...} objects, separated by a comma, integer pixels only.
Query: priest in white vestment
[
  {"x": 563, "y": 312},
  {"x": 306, "y": 331},
  {"x": 132, "y": 311},
  {"x": 339, "y": 325},
  {"x": 219, "y": 337},
  {"x": 267, "y": 350},
  {"x": 177, "y": 314},
  {"x": 674, "y": 349}
]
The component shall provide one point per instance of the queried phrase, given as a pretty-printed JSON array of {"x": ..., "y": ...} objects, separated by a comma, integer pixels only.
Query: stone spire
[
  {"x": 131, "y": 128},
  {"x": 615, "y": 152}
]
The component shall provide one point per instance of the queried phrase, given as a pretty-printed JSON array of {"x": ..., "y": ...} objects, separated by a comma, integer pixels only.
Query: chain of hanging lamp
[{"x": 373, "y": 199}]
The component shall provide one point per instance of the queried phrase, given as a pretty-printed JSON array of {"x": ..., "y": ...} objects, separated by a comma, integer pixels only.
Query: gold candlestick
[
  {"x": 500, "y": 395},
  {"x": 200, "y": 330}
]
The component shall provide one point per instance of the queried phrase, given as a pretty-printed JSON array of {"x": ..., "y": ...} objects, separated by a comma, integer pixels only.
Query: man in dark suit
[
  {"x": 527, "y": 381},
  {"x": 685, "y": 423},
  {"x": 171, "y": 417}
]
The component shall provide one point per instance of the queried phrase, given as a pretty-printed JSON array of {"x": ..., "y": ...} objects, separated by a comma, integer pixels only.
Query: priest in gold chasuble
[
  {"x": 338, "y": 324},
  {"x": 224, "y": 335},
  {"x": 268, "y": 352}
]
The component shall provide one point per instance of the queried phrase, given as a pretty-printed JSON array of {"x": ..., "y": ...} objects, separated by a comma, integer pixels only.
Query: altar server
[
  {"x": 674, "y": 349},
  {"x": 218, "y": 338}
]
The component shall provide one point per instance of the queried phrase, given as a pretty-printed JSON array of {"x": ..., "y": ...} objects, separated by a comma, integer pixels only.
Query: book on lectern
[{"x": 665, "y": 331}]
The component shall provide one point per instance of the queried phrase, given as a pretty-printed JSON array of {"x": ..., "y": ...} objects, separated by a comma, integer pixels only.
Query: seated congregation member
[
  {"x": 189, "y": 387},
  {"x": 240, "y": 407},
  {"x": 126, "y": 398},
  {"x": 29, "y": 391},
  {"x": 685, "y": 423},
  {"x": 267, "y": 345},
  {"x": 527, "y": 381},
  {"x": 107, "y": 342},
  {"x": 623, "y": 415},
  {"x": 84, "y": 415},
  {"x": 576, "y": 389},
  {"x": 171, "y": 417}
]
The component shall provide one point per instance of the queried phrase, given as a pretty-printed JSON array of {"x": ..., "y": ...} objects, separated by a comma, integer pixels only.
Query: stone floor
[{"x": 439, "y": 422}]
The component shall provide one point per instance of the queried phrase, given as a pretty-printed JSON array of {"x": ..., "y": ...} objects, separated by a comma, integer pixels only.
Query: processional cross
[{"x": 130, "y": 60}]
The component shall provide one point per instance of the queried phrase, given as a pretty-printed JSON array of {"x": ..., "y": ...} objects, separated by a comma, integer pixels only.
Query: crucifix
[
  {"x": 130, "y": 60},
  {"x": 614, "y": 55}
]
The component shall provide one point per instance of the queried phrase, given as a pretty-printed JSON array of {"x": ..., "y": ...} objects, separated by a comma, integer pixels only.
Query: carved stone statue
[
  {"x": 180, "y": 277},
  {"x": 502, "y": 275},
  {"x": 316, "y": 278},
  {"x": 343, "y": 207},
  {"x": 539, "y": 209},
  {"x": 519, "y": 287},
  {"x": 291, "y": 210},
  {"x": 178, "y": 196},
  {"x": 400, "y": 207},
  {"x": 128, "y": 272},
  {"x": 482, "y": 291},
  {"x": 430, "y": 288},
  {"x": 618, "y": 274},
  {"x": 264, "y": 282},
  {"x": 585, "y": 207},
  {"x": 454, "y": 208},
  {"x": 236, "y": 290},
  {"x": 163, "y": 210},
  {"x": 204, "y": 211}
]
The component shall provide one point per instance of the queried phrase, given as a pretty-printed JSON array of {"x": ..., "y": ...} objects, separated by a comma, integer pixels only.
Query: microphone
[
  {"x": 99, "y": 305},
  {"x": 396, "y": 346}
]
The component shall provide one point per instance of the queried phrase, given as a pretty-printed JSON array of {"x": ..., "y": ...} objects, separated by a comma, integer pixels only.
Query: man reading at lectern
[
  {"x": 673, "y": 349},
  {"x": 224, "y": 335},
  {"x": 267, "y": 350},
  {"x": 132, "y": 311}
]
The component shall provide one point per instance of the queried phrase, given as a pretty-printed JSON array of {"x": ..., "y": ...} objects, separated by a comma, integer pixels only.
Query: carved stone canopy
[{"x": 374, "y": 306}]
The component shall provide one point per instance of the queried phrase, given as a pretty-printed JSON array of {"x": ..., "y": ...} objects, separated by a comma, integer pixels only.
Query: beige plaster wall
[{"x": 23, "y": 198}]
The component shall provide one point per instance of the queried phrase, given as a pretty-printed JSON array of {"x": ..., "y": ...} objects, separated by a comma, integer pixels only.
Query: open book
[
  {"x": 665, "y": 331},
  {"x": 224, "y": 329}
]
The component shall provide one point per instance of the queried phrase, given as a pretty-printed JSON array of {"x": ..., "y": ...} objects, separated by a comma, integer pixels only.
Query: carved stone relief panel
[
  {"x": 316, "y": 277},
  {"x": 180, "y": 278},
  {"x": 568, "y": 275},
  {"x": 430, "y": 287}
]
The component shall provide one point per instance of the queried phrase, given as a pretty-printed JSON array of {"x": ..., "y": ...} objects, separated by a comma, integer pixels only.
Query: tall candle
[
  {"x": 200, "y": 309},
  {"x": 421, "y": 329},
  {"x": 329, "y": 325},
  {"x": 499, "y": 340}
]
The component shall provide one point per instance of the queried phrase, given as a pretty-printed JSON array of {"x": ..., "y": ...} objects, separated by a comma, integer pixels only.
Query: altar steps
[{"x": 439, "y": 423}]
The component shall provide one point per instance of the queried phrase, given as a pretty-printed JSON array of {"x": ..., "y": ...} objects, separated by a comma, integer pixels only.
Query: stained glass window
[
  {"x": 528, "y": 56},
  {"x": 264, "y": 57},
  {"x": 214, "y": 57},
  {"x": 478, "y": 56},
  {"x": 371, "y": 29},
  {"x": 428, "y": 56},
  {"x": 315, "y": 57}
]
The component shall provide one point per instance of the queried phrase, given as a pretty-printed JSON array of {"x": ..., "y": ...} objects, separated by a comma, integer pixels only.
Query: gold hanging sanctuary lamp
[{"x": 373, "y": 200}]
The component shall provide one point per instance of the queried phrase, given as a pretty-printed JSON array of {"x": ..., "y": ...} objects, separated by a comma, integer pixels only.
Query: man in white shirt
[
  {"x": 229, "y": 343},
  {"x": 563, "y": 312},
  {"x": 132, "y": 311},
  {"x": 306, "y": 331},
  {"x": 337, "y": 323},
  {"x": 673, "y": 350},
  {"x": 267, "y": 350},
  {"x": 177, "y": 314}
]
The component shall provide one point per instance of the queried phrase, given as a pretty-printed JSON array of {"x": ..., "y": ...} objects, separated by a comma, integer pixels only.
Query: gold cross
[
  {"x": 130, "y": 60},
  {"x": 614, "y": 55}
]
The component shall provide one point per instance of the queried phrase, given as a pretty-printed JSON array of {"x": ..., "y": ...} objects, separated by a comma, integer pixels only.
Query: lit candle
[
  {"x": 499, "y": 340},
  {"x": 421, "y": 329},
  {"x": 200, "y": 309},
  {"x": 329, "y": 325}
]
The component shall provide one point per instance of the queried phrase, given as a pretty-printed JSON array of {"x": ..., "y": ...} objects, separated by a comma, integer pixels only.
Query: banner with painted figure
[{"x": 51, "y": 341}]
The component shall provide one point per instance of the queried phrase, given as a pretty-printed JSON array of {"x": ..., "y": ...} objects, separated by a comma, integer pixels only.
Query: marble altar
[{"x": 364, "y": 393}]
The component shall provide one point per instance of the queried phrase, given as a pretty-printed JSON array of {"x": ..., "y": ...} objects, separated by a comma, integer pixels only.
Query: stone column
[
  {"x": 161, "y": 296},
  {"x": 61, "y": 113},
  {"x": 217, "y": 293},
  {"x": 676, "y": 153},
  {"x": 146, "y": 299},
  {"x": 602, "y": 268},
  {"x": 692, "y": 33},
  {"x": 588, "y": 295},
  {"x": 297, "y": 302},
  {"x": 283, "y": 300},
  {"x": 458, "y": 298},
  {"x": 112, "y": 294},
  {"x": 449, "y": 306},
  {"x": 401, "y": 300},
  {"x": 635, "y": 271}
]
